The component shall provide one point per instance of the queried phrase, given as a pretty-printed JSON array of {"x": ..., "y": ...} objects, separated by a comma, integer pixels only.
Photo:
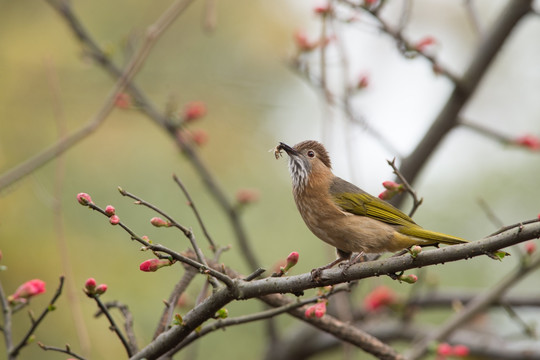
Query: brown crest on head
[{"x": 320, "y": 152}]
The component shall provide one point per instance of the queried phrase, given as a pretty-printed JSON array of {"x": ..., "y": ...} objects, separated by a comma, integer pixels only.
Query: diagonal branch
[
  {"x": 448, "y": 118},
  {"x": 243, "y": 290}
]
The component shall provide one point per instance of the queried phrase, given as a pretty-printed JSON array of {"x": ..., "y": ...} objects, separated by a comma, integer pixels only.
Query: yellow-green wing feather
[{"x": 356, "y": 201}]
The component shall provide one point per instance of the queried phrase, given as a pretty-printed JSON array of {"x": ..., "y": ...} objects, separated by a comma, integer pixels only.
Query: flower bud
[
  {"x": 363, "y": 82},
  {"x": 378, "y": 298},
  {"x": 110, "y": 210},
  {"x": 222, "y": 313},
  {"x": 424, "y": 43},
  {"x": 247, "y": 196},
  {"x": 194, "y": 110},
  {"x": 159, "y": 222},
  {"x": 101, "y": 289},
  {"x": 122, "y": 101},
  {"x": 84, "y": 199},
  {"x": 302, "y": 42},
  {"x": 90, "y": 286},
  {"x": 153, "y": 264},
  {"x": 415, "y": 250},
  {"x": 444, "y": 349},
  {"x": 27, "y": 290},
  {"x": 461, "y": 351},
  {"x": 323, "y": 9},
  {"x": 199, "y": 137},
  {"x": 529, "y": 141},
  {"x": 409, "y": 279},
  {"x": 530, "y": 247},
  {"x": 318, "y": 310},
  {"x": 114, "y": 220}
]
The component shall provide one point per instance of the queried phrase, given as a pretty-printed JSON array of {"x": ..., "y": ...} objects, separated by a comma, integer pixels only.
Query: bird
[{"x": 345, "y": 216}]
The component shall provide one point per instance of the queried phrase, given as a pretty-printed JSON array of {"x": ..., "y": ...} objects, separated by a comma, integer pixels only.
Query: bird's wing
[{"x": 354, "y": 200}]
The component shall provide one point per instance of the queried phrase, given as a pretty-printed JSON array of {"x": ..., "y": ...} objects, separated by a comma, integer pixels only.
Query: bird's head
[{"x": 308, "y": 161}]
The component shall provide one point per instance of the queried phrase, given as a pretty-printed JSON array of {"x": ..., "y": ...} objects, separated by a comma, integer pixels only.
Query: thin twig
[
  {"x": 196, "y": 212},
  {"x": 179, "y": 289},
  {"x": 175, "y": 255},
  {"x": 472, "y": 12},
  {"x": 16, "y": 349},
  {"x": 416, "y": 201},
  {"x": 6, "y": 311},
  {"x": 223, "y": 323},
  {"x": 113, "y": 325},
  {"x": 66, "y": 350},
  {"x": 187, "y": 231},
  {"x": 478, "y": 304},
  {"x": 128, "y": 322}
]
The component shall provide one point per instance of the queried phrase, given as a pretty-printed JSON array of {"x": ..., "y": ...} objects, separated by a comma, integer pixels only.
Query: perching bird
[{"x": 343, "y": 215}]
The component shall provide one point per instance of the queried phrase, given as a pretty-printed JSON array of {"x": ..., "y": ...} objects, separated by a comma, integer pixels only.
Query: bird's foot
[{"x": 316, "y": 273}]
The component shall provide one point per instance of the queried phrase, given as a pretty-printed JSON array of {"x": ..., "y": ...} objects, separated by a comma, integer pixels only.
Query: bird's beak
[{"x": 289, "y": 150}]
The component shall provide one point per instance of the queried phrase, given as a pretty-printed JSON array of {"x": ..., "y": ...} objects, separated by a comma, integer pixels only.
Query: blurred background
[{"x": 254, "y": 99}]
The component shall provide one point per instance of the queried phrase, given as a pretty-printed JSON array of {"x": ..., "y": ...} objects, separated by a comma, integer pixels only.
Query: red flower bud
[
  {"x": 159, "y": 222},
  {"x": 101, "y": 289},
  {"x": 378, "y": 298},
  {"x": 530, "y": 247},
  {"x": 363, "y": 82},
  {"x": 302, "y": 42},
  {"x": 415, "y": 250},
  {"x": 424, "y": 43},
  {"x": 445, "y": 349},
  {"x": 194, "y": 110},
  {"x": 90, "y": 285},
  {"x": 409, "y": 279},
  {"x": 122, "y": 101},
  {"x": 529, "y": 141},
  {"x": 323, "y": 9},
  {"x": 114, "y": 220},
  {"x": 461, "y": 350},
  {"x": 27, "y": 290},
  {"x": 318, "y": 310},
  {"x": 153, "y": 265},
  {"x": 84, "y": 199},
  {"x": 199, "y": 137},
  {"x": 110, "y": 210},
  {"x": 247, "y": 196}
]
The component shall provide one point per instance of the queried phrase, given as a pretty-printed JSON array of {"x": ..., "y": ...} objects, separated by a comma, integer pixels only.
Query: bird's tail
[{"x": 432, "y": 237}]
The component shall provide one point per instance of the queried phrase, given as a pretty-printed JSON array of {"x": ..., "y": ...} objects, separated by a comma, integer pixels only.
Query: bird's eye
[{"x": 311, "y": 153}]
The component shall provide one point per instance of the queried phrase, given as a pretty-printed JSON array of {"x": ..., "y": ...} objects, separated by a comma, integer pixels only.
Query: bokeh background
[{"x": 240, "y": 70}]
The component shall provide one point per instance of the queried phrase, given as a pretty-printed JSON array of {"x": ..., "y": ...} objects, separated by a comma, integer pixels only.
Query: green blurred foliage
[{"x": 239, "y": 71}]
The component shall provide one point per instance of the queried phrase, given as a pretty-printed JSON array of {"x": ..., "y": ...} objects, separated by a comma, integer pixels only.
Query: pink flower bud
[
  {"x": 461, "y": 350},
  {"x": 292, "y": 259},
  {"x": 247, "y": 196},
  {"x": 302, "y": 42},
  {"x": 110, "y": 210},
  {"x": 318, "y": 310},
  {"x": 529, "y": 141},
  {"x": 101, "y": 289},
  {"x": 153, "y": 265},
  {"x": 122, "y": 101},
  {"x": 378, "y": 298},
  {"x": 363, "y": 82},
  {"x": 90, "y": 285},
  {"x": 27, "y": 290},
  {"x": 415, "y": 250},
  {"x": 445, "y": 349},
  {"x": 194, "y": 110},
  {"x": 200, "y": 137},
  {"x": 323, "y": 9},
  {"x": 424, "y": 43},
  {"x": 84, "y": 199},
  {"x": 114, "y": 220},
  {"x": 390, "y": 185},
  {"x": 409, "y": 279},
  {"x": 530, "y": 247},
  {"x": 159, "y": 222}
]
